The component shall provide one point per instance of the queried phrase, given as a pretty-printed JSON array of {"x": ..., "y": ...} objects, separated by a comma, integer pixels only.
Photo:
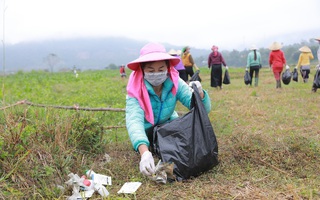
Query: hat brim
[
  {"x": 135, "y": 64},
  {"x": 305, "y": 49},
  {"x": 275, "y": 46}
]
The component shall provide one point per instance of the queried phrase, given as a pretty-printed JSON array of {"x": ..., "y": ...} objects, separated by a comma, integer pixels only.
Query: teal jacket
[
  {"x": 163, "y": 110},
  {"x": 251, "y": 61}
]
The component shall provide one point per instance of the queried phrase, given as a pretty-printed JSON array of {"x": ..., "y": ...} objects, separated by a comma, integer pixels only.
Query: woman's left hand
[{"x": 199, "y": 86}]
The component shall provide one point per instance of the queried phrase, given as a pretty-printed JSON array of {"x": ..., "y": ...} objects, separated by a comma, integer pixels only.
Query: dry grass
[{"x": 269, "y": 148}]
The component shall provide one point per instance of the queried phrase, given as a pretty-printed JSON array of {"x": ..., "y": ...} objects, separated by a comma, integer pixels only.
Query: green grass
[{"x": 269, "y": 145}]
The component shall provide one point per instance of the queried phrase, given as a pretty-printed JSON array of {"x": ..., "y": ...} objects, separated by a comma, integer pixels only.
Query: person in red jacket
[
  {"x": 122, "y": 72},
  {"x": 277, "y": 61}
]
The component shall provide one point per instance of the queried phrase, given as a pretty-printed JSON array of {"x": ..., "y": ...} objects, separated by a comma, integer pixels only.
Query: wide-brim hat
[
  {"x": 275, "y": 46},
  {"x": 152, "y": 52},
  {"x": 305, "y": 49},
  {"x": 253, "y": 47},
  {"x": 172, "y": 52}
]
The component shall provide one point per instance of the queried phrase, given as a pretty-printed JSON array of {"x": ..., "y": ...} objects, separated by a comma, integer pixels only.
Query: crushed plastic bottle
[{"x": 162, "y": 172}]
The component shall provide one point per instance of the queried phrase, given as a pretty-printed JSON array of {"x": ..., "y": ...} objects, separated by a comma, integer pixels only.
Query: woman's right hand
[{"x": 147, "y": 166}]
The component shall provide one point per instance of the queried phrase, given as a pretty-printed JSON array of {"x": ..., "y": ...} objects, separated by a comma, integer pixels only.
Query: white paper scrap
[
  {"x": 129, "y": 187},
  {"x": 102, "y": 179}
]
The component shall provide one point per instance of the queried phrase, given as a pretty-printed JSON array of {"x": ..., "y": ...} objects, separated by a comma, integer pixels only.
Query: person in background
[
  {"x": 179, "y": 67},
  {"x": 314, "y": 87},
  {"x": 254, "y": 64},
  {"x": 215, "y": 62},
  {"x": 75, "y": 71},
  {"x": 123, "y": 72},
  {"x": 187, "y": 61},
  {"x": 277, "y": 61},
  {"x": 304, "y": 62},
  {"x": 153, "y": 89}
]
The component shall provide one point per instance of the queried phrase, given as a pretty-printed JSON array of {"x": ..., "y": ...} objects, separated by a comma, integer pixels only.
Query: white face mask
[{"x": 156, "y": 78}]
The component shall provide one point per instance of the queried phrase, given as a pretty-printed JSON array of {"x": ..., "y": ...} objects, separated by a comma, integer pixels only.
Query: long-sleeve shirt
[
  {"x": 163, "y": 109},
  {"x": 277, "y": 60},
  {"x": 216, "y": 59},
  {"x": 253, "y": 62},
  {"x": 304, "y": 59},
  {"x": 180, "y": 65}
]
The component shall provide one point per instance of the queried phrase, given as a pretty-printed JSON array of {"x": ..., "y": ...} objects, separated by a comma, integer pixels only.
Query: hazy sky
[{"x": 226, "y": 23}]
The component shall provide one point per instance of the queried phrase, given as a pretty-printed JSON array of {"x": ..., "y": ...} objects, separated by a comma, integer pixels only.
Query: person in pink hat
[
  {"x": 215, "y": 62},
  {"x": 153, "y": 89}
]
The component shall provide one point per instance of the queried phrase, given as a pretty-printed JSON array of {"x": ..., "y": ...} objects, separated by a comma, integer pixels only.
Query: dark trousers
[
  {"x": 305, "y": 73},
  {"x": 189, "y": 71},
  {"x": 255, "y": 70},
  {"x": 183, "y": 75},
  {"x": 216, "y": 75}
]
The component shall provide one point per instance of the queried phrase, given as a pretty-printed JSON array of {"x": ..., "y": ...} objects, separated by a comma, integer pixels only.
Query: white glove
[
  {"x": 147, "y": 166},
  {"x": 199, "y": 86},
  {"x": 247, "y": 69},
  {"x": 287, "y": 67},
  {"x": 227, "y": 67}
]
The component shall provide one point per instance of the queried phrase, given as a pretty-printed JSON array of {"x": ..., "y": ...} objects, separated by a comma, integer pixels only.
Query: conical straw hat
[
  {"x": 275, "y": 46},
  {"x": 305, "y": 49},
  {"x": 172, "y": 52}
]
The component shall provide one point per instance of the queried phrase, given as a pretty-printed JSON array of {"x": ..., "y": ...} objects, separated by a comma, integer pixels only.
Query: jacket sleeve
[
  {"x": 259, "y": 57},
  {"x": 135, "y": 123},
  {"x": 283, "y": 59},
  {"x": 222, "y": 60},
  {"x": 248, "y": 61},
  {"x": 270, "y": 59},
  {"x": 311, "y": 56},
  {"x": 191, "y": 60},
  {"x": 299, "y": 61},
  {"x": 209, "y": 60},
  {"x": 184, "y": 95}
]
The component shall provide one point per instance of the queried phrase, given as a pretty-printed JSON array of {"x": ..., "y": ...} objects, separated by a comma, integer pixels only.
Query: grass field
[{"x": 269, "y": 139}]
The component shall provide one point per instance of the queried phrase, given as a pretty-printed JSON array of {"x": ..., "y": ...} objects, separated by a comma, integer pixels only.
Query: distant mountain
[
  {"x": 84, "y": 54},
  {"x": 99, "y": 53}
]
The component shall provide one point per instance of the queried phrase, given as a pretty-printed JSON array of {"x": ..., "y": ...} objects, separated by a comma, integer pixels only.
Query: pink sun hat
[{"x": 152, "y": 52}]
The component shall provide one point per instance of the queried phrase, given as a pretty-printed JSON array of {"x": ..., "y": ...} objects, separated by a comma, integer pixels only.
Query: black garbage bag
[
  {"x": 247, "y": 78},
  {"x": 286, "y": 77},
  {"x": 196, "y": 76},
  {"x": 295, "y": 75},
  {"x": 316, "y": 81},
  {"x": 226, "y": 78},
  {"x": 188, "y": 141}
]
